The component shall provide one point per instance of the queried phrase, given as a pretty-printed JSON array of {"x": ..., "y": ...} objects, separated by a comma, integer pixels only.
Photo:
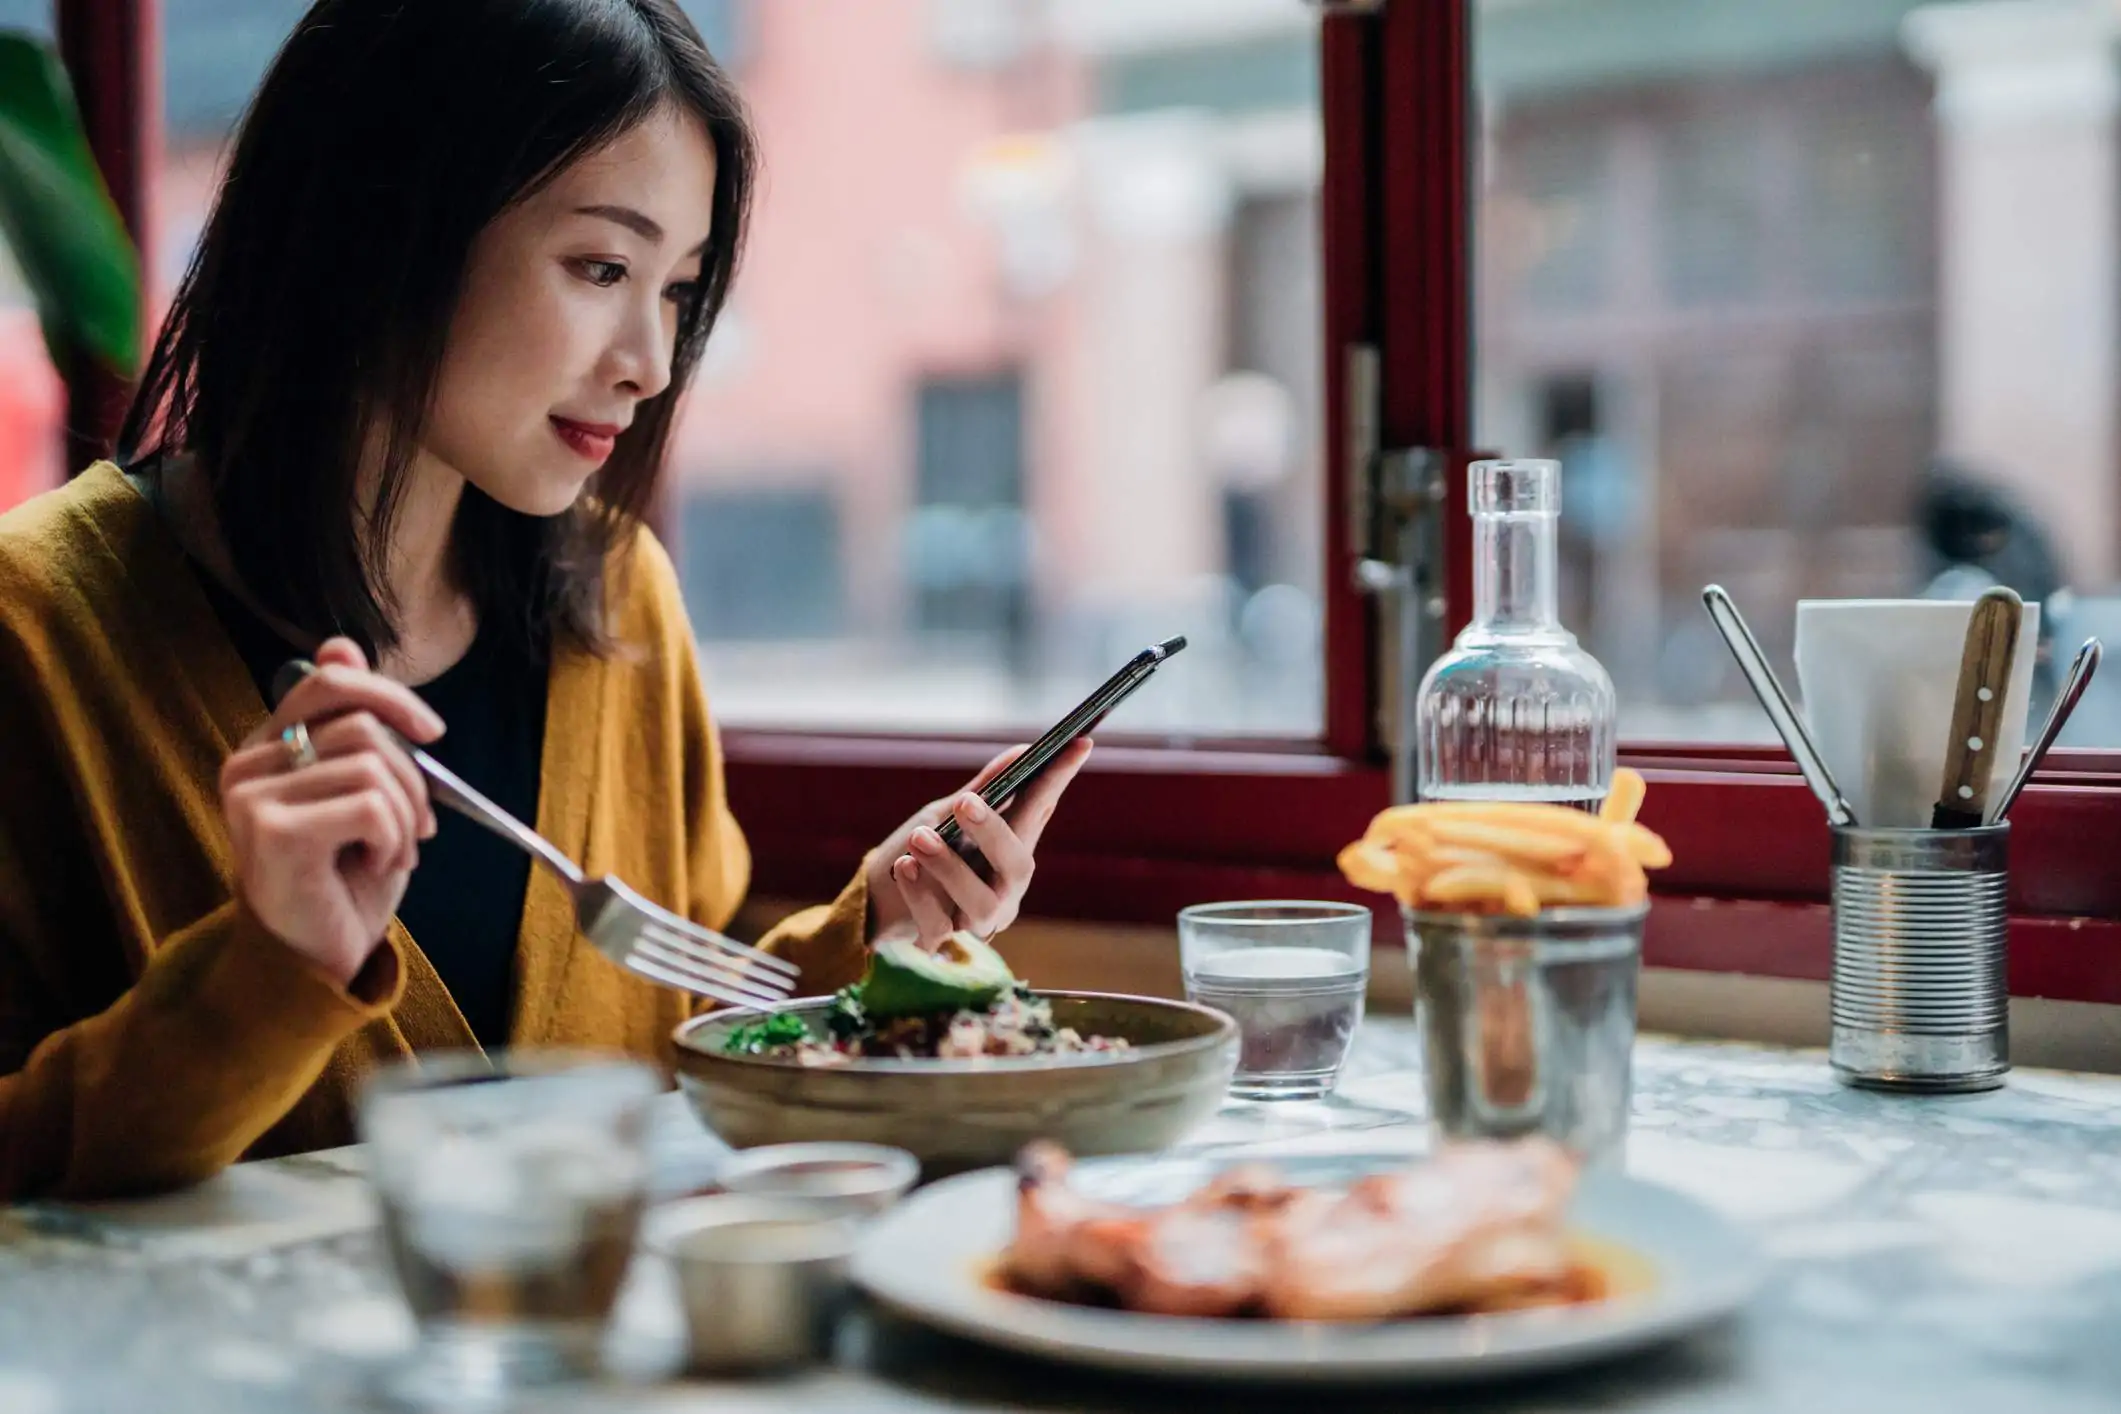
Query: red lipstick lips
[{"x": 591, "y": 441}]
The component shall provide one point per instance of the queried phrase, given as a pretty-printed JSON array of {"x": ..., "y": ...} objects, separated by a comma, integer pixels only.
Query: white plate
[{"x": 928, "y": 1259}]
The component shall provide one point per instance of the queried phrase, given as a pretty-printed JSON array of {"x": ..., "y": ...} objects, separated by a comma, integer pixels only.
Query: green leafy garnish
[
  {"x": 783, "y": 1028},
  {"x": 848, "y": 1019}
]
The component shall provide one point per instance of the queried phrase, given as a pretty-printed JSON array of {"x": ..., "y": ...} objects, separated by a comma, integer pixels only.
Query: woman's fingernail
[
  {"x": 973, "y": 808},
  {"x": 908, "y": 868},
  {"x": 927, "y": 841}
]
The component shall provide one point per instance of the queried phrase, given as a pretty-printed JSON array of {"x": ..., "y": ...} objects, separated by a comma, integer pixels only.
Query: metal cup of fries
[
  {"x": 1524, "y": 931},
  {"x": 1528, "y": 1024}
]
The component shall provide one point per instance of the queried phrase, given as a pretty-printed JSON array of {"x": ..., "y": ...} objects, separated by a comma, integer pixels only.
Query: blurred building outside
[
  {"x": 1021, "y": 374},
  {"x": 1751, "y": 270},
  {"x": 1023, "y": 367}
]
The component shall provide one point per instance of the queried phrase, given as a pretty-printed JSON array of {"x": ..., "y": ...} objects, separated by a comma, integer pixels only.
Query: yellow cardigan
[{"x": 151, "y": 1031}]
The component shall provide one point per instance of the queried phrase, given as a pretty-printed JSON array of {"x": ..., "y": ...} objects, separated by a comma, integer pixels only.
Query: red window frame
[
  {"x": 113, "y": 55},
  {"x": 1152, "y": 828},
  {"x": 1154, "y": 825}
]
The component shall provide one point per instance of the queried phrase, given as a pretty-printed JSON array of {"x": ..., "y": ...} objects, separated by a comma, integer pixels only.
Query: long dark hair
[{"x": 385, "y": 137}]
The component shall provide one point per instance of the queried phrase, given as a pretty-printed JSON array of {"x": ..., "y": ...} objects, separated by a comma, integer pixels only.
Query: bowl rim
[
  {"x": 667, "y": 1228},
  {"x": 886, "y": 1169},
  {"x": 689, "y": 1053}
]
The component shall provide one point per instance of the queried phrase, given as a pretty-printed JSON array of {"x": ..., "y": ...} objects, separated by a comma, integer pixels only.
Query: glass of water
[
  {"x": 511, "y": 1188},
  {"x": 1292, "y": 974}
]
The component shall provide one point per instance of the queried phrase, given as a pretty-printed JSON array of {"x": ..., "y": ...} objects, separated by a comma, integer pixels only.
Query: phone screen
[{"x": 1084, "y": 717}]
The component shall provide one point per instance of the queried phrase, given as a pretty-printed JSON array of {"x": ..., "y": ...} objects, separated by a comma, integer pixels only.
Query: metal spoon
[
  {"x": 1754, "y": 664},
  {"x": 2081, "y": 669}
]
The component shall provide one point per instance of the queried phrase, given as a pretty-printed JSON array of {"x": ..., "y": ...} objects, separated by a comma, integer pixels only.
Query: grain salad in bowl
[
  {"x": 960, "y": 1002},
  {"x": 951, "y": 1056}
]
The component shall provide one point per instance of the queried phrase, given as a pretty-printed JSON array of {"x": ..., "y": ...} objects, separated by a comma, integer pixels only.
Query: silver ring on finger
[{"x": 301, "y": 751}]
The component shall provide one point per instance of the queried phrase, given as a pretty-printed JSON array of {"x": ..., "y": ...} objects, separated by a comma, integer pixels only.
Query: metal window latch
[{"x": 1395, "y": 509}]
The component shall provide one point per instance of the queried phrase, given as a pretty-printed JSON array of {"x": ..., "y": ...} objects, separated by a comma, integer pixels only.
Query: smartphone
[{"x": 1092, "y": 710}]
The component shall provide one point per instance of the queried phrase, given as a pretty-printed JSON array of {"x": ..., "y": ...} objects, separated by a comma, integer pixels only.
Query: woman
[{"x": 404, "y": 417}]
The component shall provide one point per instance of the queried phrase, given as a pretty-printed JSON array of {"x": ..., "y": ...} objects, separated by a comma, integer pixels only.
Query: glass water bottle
[{"x": 1516, "y": 710}]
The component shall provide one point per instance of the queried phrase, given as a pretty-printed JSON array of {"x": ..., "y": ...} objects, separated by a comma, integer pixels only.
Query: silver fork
[{"x": 632, "y": 931}]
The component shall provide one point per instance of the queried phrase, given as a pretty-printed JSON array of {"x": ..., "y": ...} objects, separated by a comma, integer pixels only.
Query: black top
[{"x": 464, "y": 905}]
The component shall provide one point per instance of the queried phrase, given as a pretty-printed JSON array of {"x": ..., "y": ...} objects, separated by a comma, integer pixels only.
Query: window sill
[
  {"x": 817, "y": 803},
  {"x": 1150, "y": 828},
  {"x": 2064, "y": 959},
  {"x": 1748, "y": 835}
]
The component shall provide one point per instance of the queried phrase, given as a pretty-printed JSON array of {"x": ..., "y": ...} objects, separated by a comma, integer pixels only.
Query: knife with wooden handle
[{"x": 1977, "y": 710}]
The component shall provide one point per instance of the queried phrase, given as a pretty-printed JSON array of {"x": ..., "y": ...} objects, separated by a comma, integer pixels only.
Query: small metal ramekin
[{"x": 763, "y": 1280}]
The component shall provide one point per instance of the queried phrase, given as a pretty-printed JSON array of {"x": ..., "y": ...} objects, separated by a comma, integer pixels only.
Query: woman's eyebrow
[{"x": 638, "y": 222}]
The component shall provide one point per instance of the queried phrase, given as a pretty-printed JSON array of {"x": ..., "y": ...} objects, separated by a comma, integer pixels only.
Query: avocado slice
[{"x": 964, "y": 973}]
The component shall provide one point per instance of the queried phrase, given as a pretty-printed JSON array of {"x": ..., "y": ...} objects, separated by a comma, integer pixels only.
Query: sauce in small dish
[{"x": 855, "y": 1178}]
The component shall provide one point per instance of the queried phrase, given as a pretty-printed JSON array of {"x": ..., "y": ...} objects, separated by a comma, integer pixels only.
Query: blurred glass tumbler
[
  {"x": 1292, "y": 975},
  {"x": 1920, "y": 998},
  {"x": 511, "y": 1188},
  {"x": 1527, "y": 1025}
]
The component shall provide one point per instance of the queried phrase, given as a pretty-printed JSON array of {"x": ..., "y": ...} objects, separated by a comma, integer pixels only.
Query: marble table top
[{"x": 1933, "y": 1253}]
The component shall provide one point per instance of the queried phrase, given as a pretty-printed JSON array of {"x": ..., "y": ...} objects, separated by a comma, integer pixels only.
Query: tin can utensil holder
[
  {"x": 1920, "y": 996},
  {"x": 1528, "y": 1024}
]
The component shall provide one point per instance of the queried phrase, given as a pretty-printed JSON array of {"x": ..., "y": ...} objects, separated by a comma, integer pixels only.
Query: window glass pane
[
  {"x": 27, "y": 16},
  {"x": 214, "y": 52},
  {"x": 1022, "y": 370},
  {"x": 32, "y": 401},
  {"x": 1812, "y": 299}
]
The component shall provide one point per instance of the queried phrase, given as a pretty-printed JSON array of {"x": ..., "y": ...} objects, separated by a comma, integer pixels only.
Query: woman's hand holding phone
[{"x": 920, "y": 887}]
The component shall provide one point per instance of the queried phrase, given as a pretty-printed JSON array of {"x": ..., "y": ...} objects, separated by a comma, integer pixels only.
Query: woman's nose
[{"x": 643, "y": 354}]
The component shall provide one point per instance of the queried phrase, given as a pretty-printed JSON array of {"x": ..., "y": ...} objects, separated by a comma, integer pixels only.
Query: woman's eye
[
  {"x": 601, "y": 273},
  {"x": 683, "y": 292}
]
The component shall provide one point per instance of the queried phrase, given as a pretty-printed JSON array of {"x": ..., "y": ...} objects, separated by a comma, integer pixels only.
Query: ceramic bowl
[{"x": 955, "y": 1115}]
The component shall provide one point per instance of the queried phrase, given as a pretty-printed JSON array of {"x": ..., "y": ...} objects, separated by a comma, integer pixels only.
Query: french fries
[
  {"x": 1507, "y": 857},
  {"x": 1624, "y": 800}
]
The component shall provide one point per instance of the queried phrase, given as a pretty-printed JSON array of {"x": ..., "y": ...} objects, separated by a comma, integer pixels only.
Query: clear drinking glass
[
  {"x": 511, "y": 1188},
  {"x": 1292, "y": 974}
]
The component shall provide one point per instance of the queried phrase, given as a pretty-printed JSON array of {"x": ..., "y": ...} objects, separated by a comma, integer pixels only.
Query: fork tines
[
  {"x": 678, "y": 952},
  {"x": 673, "y": 953},
  {"x": 652, "y": 961},
  {"x": 692, "y": 939}
]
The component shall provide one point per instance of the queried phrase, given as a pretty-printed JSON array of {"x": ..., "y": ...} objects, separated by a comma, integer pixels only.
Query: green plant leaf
[{"x": 58, "y": 218}]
